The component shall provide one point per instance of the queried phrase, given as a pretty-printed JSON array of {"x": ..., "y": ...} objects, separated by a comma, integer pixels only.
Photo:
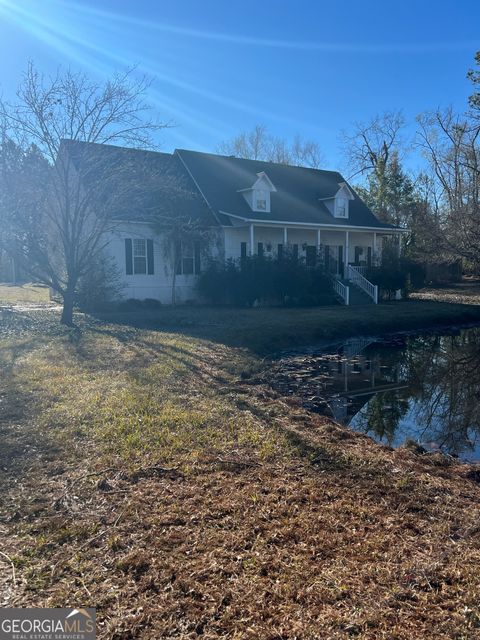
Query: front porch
[{"x": 345, "y": 254}]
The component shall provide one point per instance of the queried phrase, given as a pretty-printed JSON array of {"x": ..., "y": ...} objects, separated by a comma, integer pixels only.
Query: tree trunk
[
  {"x": 67, "y": 312},
  {"x": 174, "y": 286}
]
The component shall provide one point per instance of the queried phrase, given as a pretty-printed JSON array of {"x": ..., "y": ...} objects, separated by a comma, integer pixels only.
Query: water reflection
[{"x": 423, "y": 388}]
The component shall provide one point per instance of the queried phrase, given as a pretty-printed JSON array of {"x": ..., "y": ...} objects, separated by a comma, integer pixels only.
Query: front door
[{"x": 333, "y": 255}]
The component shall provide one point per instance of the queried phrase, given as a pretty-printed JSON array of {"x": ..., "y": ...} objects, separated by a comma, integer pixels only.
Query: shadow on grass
[{"x": 268, "y": 330}]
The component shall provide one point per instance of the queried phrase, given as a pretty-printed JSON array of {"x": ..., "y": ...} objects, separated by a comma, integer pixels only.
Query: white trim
[
  {"x": 262, "y": 175},
  {"x": 312, "y": 225},
  {"x": 344, "y": 185}
]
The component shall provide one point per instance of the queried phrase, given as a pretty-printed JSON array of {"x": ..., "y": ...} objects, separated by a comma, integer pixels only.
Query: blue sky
[{"x": 220, "y": 67}]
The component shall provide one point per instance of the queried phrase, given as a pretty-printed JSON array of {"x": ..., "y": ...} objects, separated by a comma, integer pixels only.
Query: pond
[{"x": 423, "y": 388}]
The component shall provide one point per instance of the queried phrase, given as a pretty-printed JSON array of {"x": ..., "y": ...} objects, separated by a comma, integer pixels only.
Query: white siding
[{"x": 158, "y": 285}]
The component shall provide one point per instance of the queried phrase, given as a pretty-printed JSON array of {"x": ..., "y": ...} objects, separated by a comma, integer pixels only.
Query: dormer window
[
  {"x": 258, "y": 195},
  {"x": 341, "y": 208},
  {"x": 261, "y": 200}
]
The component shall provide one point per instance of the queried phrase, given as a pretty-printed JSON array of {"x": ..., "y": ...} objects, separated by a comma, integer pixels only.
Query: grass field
[
  {"x": 13, "y": 294},
  {"x": 145, "y": 470},
  {"x": 266, "y": 330}
]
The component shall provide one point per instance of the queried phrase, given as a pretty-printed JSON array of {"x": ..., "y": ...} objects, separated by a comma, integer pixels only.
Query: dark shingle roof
[
  {"x": 297, "y": 199},
  {"x": 163, "y": 183},
  {"x": 152, "y": 183}
]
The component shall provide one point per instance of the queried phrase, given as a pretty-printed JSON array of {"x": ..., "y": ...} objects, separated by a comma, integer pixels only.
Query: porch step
[{"x": 358, "y": 296}]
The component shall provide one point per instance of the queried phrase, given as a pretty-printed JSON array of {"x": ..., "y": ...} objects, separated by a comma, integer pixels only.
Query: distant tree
[
  {"x": 259, "y": 144},
  {"x": 474, "y": 99},
  {"x": 450, "y": 142},
  {"x": 23, "y": 173},
  {"x": 394, "y": 197},
  {"x": 369, "y": 146},
  {"x": 63, "y": 229}
]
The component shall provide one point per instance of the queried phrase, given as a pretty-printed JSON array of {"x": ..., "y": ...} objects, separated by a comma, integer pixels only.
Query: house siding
[{"x": 141, "y": 286}]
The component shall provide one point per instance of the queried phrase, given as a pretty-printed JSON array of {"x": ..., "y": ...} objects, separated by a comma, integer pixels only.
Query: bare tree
[
  {"x": 450, "y": 143},
  {"x": 64, "y": 227},
  {"x": 370, "y": 145},
  {"x": 259, "y": 144}
]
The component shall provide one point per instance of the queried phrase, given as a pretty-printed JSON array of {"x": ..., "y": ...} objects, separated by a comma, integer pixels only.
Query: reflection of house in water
[{"x": 356, "y": 376}]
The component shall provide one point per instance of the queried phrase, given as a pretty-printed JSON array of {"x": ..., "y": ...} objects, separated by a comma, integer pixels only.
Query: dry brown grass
[
  {"x": 143, "y": 476},
  {"x": 465, "y": 292},
  {"x": 32, "y": 293}
]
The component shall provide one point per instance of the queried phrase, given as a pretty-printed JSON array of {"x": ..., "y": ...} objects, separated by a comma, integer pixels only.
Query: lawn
[
  {"x": 267, "y": 330},
  {"x": 13, "y": 294},
  {"x": 147, "y": 471}
]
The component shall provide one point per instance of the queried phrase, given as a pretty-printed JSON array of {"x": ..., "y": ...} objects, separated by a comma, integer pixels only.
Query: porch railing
[
  {"x": 354, "y": 275},
  {"x": 342, "y": 290},
  {"x": 361, "y": 270}
]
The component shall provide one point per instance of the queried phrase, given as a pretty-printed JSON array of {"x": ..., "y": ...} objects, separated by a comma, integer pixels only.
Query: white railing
[
  {"x": 362, "y": 271},
  {"x": 342, "y": 290},
  {"x": 353, "y": 346},
  {"x": 360, "y": 281}
]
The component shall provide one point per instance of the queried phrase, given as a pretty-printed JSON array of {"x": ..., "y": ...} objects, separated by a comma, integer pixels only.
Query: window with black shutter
[
  {"x": 260, "y": 249},
  {"x": 311, "y": 256},
  {"x": 280, "y": 252},
  {"x": 128, "y": 257}
]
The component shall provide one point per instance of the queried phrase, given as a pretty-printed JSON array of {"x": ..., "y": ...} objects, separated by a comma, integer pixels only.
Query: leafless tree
[
  {"x": 61, "y": 226},
  {"x": 450, "y": 143},
  {"x": 259, "y": 144},
  {"x": 370, "y": 145}
]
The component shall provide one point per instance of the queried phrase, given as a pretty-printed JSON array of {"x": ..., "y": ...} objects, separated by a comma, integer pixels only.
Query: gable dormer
[
  {"x": 338, "y": 205},
  {"x": 258, "y": 195}
]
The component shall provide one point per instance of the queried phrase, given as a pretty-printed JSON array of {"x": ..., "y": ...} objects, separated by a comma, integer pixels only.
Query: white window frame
[
  {"x": 139, "y": 252},
  {"x": 341, "y": 207},
  {"x": 187, "y": 252}
]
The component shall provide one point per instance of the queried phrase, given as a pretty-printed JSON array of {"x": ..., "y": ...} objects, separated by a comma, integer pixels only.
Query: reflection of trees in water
[
  {"x": 443, "y": 377},
  {"x": 382, "y": 415}
]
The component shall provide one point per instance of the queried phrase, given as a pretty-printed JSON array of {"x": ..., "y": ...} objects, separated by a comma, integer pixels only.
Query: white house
[{"x": 252, "y": 207}]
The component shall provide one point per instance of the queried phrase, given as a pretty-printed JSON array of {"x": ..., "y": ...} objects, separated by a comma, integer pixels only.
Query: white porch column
[
  {"x": 319, "y": 240},
  {"x": 252, "y": 239},
  {"x": 347, "y": 251},
  {"x": 285, "y": 236}
]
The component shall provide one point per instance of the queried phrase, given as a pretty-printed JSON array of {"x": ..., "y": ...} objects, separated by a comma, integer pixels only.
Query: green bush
[
  {"x": 260, "y": 280},
  {"x": 100, "y": 286},
  {"x": 396, "y": 272}
]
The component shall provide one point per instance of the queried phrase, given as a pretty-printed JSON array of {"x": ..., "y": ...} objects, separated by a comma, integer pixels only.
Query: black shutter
[
  {"x": 260, "y": 250},
  {"x": 280, "y": 252},
  {"x": 311, "y": 255},
  {"x": 150, "y": 260},
  {"x": 243, "y": 249},
  {"x": 295, "y": 251},
  {"x": 178, "y": 258},
  {"x": 128, "y": 257},
  {"x": 197, "y": 254},
  {"x": 369, "y": 256}
]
